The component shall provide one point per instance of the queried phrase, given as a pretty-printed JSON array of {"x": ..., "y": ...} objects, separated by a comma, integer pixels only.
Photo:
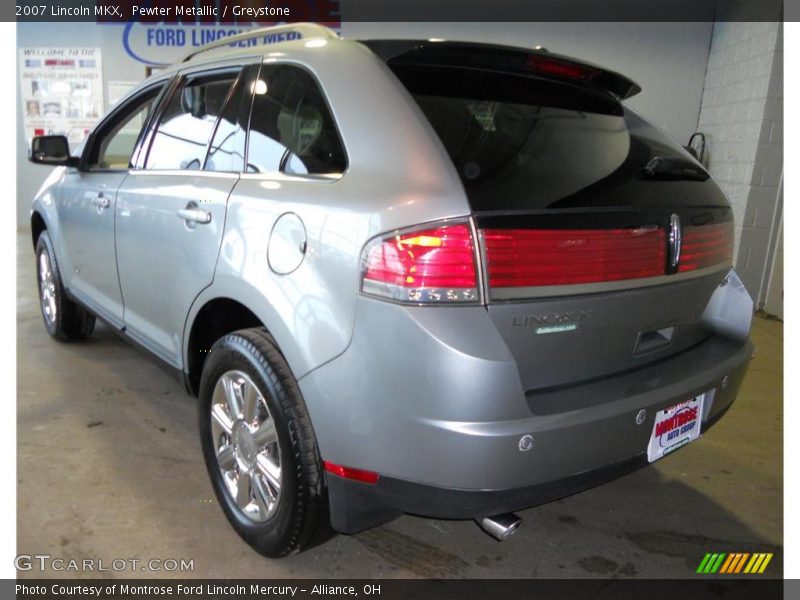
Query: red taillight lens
[
  {"x": 426, "y": 265},
  {"x": 539, "y": 257},
  {"x": 350, "y": 473},
  {"x": 559, "y": 68},
  {"x": 706, "y": 246}
]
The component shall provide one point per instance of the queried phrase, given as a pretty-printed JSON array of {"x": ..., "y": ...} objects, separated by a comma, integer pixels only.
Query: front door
[{"x": 86, "y": 209}]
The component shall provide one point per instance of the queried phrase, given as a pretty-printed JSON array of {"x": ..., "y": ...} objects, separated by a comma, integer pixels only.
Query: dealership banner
[
  {"x": 62, "y": 91},
  {"x": 397, "y": 589},
  {"x": 326, "y": 11}
]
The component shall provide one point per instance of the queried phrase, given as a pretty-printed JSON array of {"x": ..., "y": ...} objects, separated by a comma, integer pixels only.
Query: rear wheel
[
  {"x": 259, "y": 447},
  {"x": 64, "y": 319}
]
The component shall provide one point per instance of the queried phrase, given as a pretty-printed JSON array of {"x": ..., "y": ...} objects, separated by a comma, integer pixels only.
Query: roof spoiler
[
  {"x": 536, "y": 62},
  {"x": 303, "y": 30}
]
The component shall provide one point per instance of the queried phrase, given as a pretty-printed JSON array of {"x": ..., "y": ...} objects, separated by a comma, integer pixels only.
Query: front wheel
[
  {"x": 259, "y": 447},
  {"x": 64, "y": 319}
]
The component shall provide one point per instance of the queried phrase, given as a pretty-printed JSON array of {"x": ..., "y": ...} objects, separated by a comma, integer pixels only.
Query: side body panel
[
  {"x": 164, "y": 261},
  {"x": 46, "y": 204},
  {"x": 85, "y": 207},
  {"x": 398, "y": 175}
]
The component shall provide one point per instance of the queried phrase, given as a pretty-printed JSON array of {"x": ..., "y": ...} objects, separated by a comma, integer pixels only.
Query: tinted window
[
  {"x": 115, "y": 143},
  {"x": 187, "y": 123},
  {"x": 226, "y": 152},
  {"x": 523, "y": 143},
  {"x": 291, "y": 128}
]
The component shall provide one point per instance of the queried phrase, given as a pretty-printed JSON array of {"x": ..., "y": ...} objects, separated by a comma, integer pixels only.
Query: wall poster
[{"x": 62, "y": 91}]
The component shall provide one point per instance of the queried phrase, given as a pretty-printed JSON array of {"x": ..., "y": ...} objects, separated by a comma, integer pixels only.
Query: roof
[{"x": 271, "y": 35}]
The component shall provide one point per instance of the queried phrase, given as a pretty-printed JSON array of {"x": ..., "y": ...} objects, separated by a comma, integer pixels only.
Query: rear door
[
  {"x": 602, "y": 240},
  {"x": 171, "y": 212}
]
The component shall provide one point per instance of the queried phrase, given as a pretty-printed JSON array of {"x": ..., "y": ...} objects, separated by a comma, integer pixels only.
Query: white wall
[
  {"x": 667, "y": 59},
  {"x": 774, "y": 300},
  {"x": 742, "y": 116}
]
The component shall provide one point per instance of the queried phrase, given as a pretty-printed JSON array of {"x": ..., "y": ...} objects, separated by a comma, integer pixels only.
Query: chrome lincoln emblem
[{"x": 674, "y": 240}]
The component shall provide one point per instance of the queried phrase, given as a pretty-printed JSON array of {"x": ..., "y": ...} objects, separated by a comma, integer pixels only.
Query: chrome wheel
[
  {"x": 47, "y": 288},
  {"x": 246, "y": 445}
]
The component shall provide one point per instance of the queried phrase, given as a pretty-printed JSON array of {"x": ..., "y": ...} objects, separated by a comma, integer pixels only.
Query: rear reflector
[
  {"x": 541, "y": 257},
  {"x": 431, "y": 265},
  {"x": 349, "y": 473},
  {"x": 706, "y": 246}
]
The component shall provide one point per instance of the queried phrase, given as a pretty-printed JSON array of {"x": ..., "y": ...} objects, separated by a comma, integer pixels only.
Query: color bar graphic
[{"x": 734, "y": 563}]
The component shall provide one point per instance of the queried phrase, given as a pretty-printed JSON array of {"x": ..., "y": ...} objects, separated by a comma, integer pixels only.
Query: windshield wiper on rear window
[{"x": 674, "y": 169}]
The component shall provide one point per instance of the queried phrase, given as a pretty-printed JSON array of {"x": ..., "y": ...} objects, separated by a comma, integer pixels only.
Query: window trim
[{"x": 278, "y": 175}]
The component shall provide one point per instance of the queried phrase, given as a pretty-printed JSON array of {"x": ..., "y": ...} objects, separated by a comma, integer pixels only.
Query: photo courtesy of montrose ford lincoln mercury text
[{"x": 437, "y": 278}]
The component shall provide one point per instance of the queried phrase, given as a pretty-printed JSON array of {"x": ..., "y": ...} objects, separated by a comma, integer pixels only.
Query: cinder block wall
[{"x": 742, "y": 116}]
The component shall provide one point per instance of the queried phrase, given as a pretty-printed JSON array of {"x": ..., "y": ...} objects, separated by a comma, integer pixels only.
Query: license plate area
[{"x": 675, "y": 426}]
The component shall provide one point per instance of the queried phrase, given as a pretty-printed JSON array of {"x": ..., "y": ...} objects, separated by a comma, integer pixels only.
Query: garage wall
[
  {"x": 667, "y": 59},
  {"x": 742, "y": 117}
]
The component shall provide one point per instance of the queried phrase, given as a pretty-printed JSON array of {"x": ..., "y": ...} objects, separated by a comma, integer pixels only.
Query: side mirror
[{"x": 52, "y": 150}]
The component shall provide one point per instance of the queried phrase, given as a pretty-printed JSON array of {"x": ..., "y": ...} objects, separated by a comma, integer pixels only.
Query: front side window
[
  {"x": 291, "y": 128},
  {"x": 188, "y": 122},
  {"x": 114, "y": 145}
]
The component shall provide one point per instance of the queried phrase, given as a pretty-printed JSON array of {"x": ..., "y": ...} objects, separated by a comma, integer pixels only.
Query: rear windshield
[{"x": 523, "y": 143}]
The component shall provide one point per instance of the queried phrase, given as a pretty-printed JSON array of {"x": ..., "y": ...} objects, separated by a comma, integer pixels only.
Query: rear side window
[
  {"x": 522, "y": 143},
  {"x": 291, "y": 128},
  {"x": 188, "y": 122}
]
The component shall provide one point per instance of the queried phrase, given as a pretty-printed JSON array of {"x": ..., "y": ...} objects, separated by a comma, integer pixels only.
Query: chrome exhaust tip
[{"x": 500, "y": 527}]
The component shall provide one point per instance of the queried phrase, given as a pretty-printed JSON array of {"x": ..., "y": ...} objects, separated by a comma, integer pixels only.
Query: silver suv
[{"x": 447, "y": 279}]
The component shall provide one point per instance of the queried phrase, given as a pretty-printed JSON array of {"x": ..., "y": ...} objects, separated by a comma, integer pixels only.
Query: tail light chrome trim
[
  {"x": 548, "y": 291},
  {"x": 674, "y": 240}
]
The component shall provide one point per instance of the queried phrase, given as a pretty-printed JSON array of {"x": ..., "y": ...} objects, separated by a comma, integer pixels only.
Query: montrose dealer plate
[{"x": 675, "y": 427}]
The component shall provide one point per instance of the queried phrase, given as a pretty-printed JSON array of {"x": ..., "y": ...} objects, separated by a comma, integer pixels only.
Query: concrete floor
[{"x": 109, "y": 466}]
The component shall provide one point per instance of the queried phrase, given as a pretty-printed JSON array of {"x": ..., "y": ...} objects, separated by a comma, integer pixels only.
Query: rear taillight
[
  {"x": 542, "y": 257},
  {"x": 431, "y": 265},
  {"x": 706, "y": 246}
]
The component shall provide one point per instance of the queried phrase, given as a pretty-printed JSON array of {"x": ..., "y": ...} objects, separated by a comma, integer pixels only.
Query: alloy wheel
[
  {"x": 246, "y": 445},
  {"x": 47, "y": 288}
]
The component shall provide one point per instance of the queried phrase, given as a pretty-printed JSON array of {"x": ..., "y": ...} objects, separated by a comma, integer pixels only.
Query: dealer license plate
[{"x": 675, "y": 427}]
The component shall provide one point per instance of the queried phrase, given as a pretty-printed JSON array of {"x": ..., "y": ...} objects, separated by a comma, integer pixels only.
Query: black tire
[
  {"x": 301, "y": 518},
  {"x": 70, "y": 321}
]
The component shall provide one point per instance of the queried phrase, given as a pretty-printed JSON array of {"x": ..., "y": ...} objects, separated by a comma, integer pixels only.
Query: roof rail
[{"x": 306, "y": 30}]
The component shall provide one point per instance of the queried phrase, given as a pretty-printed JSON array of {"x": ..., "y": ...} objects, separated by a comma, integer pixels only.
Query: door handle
[
  {"x": 192, "y": 215},
  {"x": 101, "y": 202}
]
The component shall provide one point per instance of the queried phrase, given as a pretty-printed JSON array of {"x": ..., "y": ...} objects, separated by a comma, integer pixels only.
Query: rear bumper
[
  {"x": 357, "y": 506},
  {"x": 434, "y": 404}
]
